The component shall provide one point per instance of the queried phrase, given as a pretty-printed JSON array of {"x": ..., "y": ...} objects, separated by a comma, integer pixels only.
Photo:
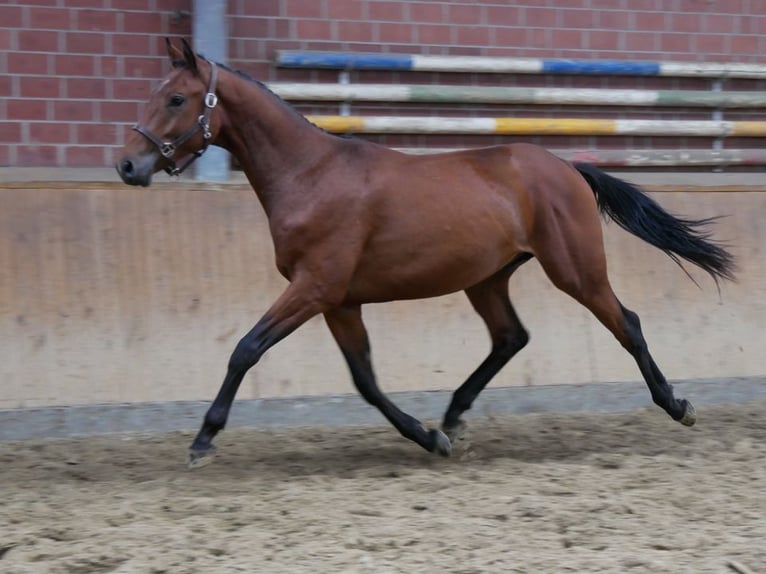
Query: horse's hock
[{"x": 121, "y": 295}]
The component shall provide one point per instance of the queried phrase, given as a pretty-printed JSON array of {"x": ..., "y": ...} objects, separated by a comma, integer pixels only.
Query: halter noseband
[{"x": 168, "y": 149}]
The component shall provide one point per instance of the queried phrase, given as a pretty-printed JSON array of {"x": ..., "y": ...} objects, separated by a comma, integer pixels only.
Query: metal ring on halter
[{"x": 167, "y": 150}]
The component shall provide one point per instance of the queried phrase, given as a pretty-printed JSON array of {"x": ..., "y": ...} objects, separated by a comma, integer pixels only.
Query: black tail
[{"x": 639, "y": 214}]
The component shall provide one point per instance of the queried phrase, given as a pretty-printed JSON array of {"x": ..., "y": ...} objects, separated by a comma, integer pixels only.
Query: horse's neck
[{"x": 270, "y": 140}]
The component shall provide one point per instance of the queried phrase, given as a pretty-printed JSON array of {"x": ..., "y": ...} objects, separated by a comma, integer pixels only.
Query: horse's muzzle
[{"x": 137, "y": 170}]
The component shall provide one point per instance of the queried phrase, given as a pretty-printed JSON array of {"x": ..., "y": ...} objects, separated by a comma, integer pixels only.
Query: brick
[
  {"x": 86, "y": 88},
  {"x": 28, "y": 63},
  {"x": 40, "y": 87},
  {"x": 506, "y": 16},
  {"x": 85, "y": 43},
  {"x": 250, "y": 28},
  {"x": 281, "y": 27},
  {"x": 26, "y": 109},
  {"x": 510, "y": 38},
  {"x": 50, "y": 18},
  {"x": 690, "y": 23},
  {"x": 93, "y": 4},
  {"x": 472, "y": 35},
  {"x": 354, "y": 31},
  {"x": 49, "y": 132},
  {"x": 312, "y": 29},
  {"x": 132, "y": 44},
  {"x": 74, "y": 111},
  {"x": 303, "y": 8},
  {"x": 84, "y": 156},
  {"x": 6, "y": 39},
  {"x": 252, "y": 50},
  {"x": 266, "y": 7},
  {"x": 6, "y": 83},
  {"x": 563, "y": 39},
  {"x": 652, "y": 21},
  {"x": 10, "y": 16},
  {"x": 583, "y": 19},
  {"x": 95, "y": 134},
  {"x": 131, "y": 89},
  {"x": 537, "y": 38},
  {"x": 74, "y": 65},
  {"x": 641, "y": 41},
  {"x": 386, "y": 11},
  {"x": 92, "y": 20},
  {"x": 393, "y": 33},
  {"x": 742, "y": 44},
  {"x": 702, "y": 5},
  {"x": 144, "y": 23},
  {"x": 37, "y": 41},
  {"x": 119, "y": 111},
  {"x": 138, "y": 5},
  {"x": 678, "y": 43},
  {"x": 111, "y": 66},
  {"x": 540, "y": 17},
  {"x": 433, "y": 34},
  {"x": 40, "y": 2},
  {"x": 462, "y": 14},
  {"x": 143, "y": 67},
  {"x": 604, "y": 40},
  {"x": 613, "y": 20},
  {"x": 37, "y": 155},
  {"x": 10, "y": 132},
  {"x": 710, "y": 44},
  {"x": 344, "y": 10}
]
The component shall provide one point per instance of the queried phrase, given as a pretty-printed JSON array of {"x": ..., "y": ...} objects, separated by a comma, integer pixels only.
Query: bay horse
[{"x": 353, "y": 222}]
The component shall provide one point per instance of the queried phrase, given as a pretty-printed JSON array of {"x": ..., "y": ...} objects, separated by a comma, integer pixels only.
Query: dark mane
[{"x": 264, "y": 87}]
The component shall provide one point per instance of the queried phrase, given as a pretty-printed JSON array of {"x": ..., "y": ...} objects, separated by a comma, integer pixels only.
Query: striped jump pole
[
  {"x": 516, "y": 95},
  {"x": 500, "y": 65},
  {"x": 537, "y": 126}
]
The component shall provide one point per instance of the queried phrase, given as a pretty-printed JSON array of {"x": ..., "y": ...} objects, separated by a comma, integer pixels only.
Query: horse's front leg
[
  {"x": 347, "y": 327},
  {"x": 299, "y": 302}
]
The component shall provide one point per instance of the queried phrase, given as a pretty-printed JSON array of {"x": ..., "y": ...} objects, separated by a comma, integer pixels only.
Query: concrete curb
[{"x": 351, "y": 410}]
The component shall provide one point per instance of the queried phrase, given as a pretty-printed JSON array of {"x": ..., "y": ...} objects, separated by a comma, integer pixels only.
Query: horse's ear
[
  {"x": 175, "y": 55},
  {"x": 189, "y": 56}
]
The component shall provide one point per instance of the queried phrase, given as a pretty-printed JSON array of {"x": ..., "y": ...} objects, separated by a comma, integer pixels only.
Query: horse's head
[{"x": 178, "y": 122}]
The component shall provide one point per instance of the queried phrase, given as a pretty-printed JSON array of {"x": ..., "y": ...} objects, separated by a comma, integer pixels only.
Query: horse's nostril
[{"x": 127, "y": 167}]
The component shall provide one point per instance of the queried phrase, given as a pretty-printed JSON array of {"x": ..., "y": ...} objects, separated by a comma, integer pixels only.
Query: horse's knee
[
  {"x": 245, "y": 355},
  {"x": 510, "y": 342},
  {"x": 634, "y": 338}
]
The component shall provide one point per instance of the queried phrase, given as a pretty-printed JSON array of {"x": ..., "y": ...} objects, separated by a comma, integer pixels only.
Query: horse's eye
[{"x": 176, "y": 100}]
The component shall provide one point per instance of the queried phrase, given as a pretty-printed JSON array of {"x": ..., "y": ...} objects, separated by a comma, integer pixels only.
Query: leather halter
[{"x": 168, "y": 149}]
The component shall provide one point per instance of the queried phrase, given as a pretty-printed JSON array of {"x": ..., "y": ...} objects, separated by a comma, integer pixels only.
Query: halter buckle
[
  {"x": 211, "y": 100},
  {"x": 167, "y": 150}
]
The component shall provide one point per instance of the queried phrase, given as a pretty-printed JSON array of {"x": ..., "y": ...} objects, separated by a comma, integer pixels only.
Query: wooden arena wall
[
  {"x": 115, "y": 294},
  {"x": 73, "y": 73}
]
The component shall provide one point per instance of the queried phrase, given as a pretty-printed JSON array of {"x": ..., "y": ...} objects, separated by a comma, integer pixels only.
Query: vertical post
[
  {"x": 717, "y": 116},
  {"x": 210, "y": 39}
]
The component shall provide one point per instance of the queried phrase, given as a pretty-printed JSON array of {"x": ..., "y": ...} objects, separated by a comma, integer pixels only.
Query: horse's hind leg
[
  {"x": 578, "y": 267},
  {"x": 490, "y": 300},
  {"x": 346, "y": 326}
]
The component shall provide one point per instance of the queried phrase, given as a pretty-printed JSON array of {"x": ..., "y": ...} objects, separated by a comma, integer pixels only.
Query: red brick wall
[{"x": 74, "y": 72}]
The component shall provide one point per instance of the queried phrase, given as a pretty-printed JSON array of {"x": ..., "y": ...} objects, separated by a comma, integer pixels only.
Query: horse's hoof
[
  {"x": 455, "y": 432},
  {"x": 442, "y": 444},
  {"x": 690, "y": 415},
  {"x": 200, "y": 458}
]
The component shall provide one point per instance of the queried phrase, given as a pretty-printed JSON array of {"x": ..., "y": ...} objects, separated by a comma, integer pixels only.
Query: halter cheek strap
[{"x": 168, "y": 149}]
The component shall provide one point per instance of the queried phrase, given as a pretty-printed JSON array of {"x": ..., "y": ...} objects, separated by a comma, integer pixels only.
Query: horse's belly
[{"x": 422, "y": 274}]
